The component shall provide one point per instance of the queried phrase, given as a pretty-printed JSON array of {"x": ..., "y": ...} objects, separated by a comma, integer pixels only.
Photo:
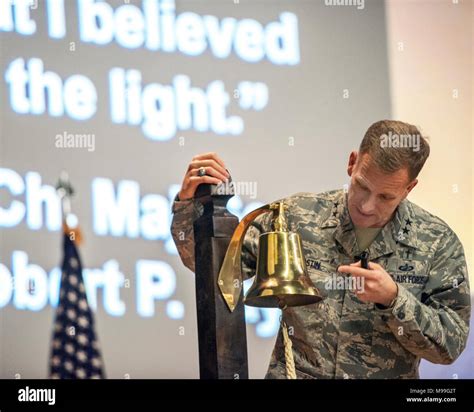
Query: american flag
[{"x": 75, "y": 351}]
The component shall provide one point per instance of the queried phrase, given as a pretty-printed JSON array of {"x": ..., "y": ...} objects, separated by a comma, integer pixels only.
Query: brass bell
[{"x": 281, "y": 279}]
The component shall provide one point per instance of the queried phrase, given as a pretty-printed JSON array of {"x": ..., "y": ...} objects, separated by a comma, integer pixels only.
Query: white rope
[{"x": 289, "y": 359}]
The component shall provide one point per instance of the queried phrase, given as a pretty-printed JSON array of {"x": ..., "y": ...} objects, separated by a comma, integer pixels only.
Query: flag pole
[{"x": 75, "y": 350}]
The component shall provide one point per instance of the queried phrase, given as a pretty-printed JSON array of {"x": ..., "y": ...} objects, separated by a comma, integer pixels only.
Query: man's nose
[{"x": 368, "y": 205}]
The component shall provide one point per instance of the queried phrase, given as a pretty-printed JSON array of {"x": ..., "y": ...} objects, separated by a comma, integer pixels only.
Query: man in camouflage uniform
[{"x": 414, "y": 301}]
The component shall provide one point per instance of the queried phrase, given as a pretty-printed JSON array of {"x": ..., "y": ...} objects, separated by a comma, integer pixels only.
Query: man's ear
[
  {"x": 412, "y": 184},
  {"x": 352, "y": 162}
]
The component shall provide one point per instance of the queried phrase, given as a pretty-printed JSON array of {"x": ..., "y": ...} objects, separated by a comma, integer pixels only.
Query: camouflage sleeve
[
  {"x": 184, "y": 214},
  {"x": 436, "y": 328}
]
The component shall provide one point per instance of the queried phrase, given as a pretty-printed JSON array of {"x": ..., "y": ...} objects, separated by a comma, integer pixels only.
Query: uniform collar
[{"x": 401, "y": 229}]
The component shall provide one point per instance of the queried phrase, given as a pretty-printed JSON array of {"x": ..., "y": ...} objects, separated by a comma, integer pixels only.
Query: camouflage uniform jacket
[{"x": 341, "y": 336}]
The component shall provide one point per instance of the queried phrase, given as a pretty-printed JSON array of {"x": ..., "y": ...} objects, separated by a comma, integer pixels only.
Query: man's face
[{"x": 374, "y": 195}]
